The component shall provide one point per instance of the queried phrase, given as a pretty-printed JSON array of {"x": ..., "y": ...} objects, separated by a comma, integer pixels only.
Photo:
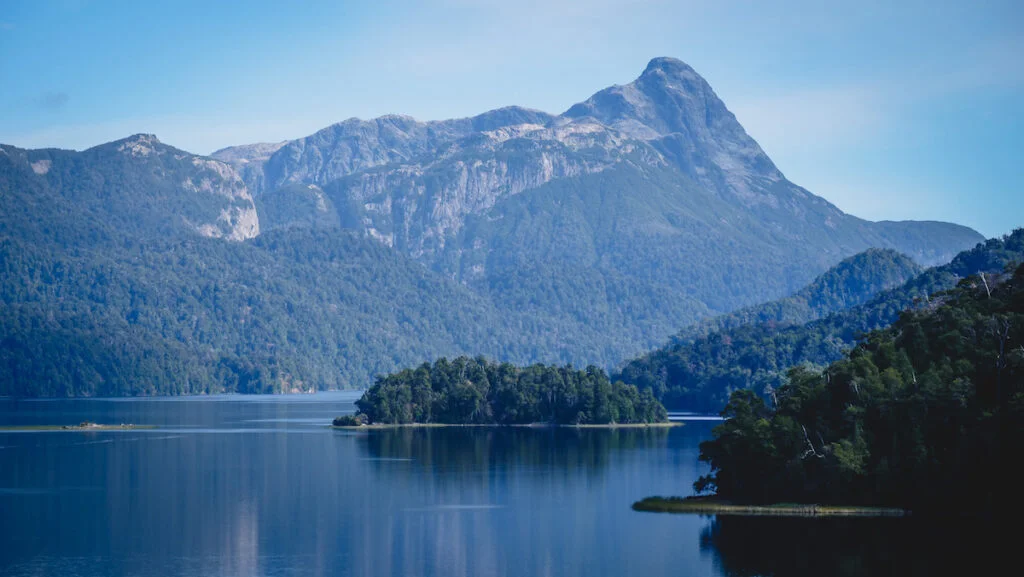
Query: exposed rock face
[
  {"x": 248, "y": 160},
  {"x": 236, "y": 221},
  {"x": 353, "y": 145},
  {"x": 419, "y": 205},
  {"x": 676, "y": 109},
  {"x": 41, "y": 167},
  {"x": 139, "y": 145}
]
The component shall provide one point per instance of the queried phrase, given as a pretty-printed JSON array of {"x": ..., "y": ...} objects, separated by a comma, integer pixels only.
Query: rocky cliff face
[
  {"x": 419, "y": 205},
  {"x": 670, "y": 99},
  {"x": 248, "y": 160},
  {"x": 237, "y": 219}
]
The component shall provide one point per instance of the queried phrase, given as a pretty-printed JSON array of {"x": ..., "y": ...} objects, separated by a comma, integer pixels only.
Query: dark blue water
[{"x": 240, "y": 486}]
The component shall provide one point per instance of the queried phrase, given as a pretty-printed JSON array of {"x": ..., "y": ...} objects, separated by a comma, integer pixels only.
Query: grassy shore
[
  {"x": 713, "y": 506},
  {"x": 532, "y": 425},
  {"x": 82, "y": 427}
]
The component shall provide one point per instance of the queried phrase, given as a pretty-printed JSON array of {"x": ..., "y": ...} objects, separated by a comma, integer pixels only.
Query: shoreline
[
  {"x": 382, "y": 426},
  {"x": 711, "y": 506},
  {"x": 73, "y": 428}
]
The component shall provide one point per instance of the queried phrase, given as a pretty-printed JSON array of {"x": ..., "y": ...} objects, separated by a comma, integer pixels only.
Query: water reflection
[
  {"x": 789, "y": 547},
  {"x": 238, "y": 488},
  {"x": 466, "y": 452}
]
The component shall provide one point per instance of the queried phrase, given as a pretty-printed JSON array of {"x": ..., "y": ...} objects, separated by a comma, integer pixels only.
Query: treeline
[
  {"x": 699, "y": 373},
  {"x": 478, "y": 391},
  {"x": 927, "y": 414}
]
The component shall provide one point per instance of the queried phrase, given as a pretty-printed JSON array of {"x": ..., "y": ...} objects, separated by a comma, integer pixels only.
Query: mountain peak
[
  {"x": 141, "y": 144},
  {"x": 673, "y": 104},
  {"x": 669, "y": 97},
  {"x": 142, "y": 138},
  {"x": 668, "y": 65}
]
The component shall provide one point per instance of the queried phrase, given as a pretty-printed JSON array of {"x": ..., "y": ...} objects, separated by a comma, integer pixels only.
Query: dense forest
[
  {"x": 291, "y": 309},
  {"x": 478, "y": 391},
  {"x": 698, "y": 373},
  {"x": 852, "y": 282},
  {"x": 927, "y": 414}
]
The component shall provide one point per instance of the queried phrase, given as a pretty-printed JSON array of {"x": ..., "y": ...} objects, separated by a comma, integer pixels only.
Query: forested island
[
  {"x": 467, "y": 391},
  {"x": 927, "y": 414}
]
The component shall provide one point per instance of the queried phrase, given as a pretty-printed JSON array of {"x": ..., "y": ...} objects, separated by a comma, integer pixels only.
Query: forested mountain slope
[
  {"x": 699, "y": 373},
  {"x": 927, "y": 414},
  {"x": 107, "y": 289},
  {"x": 850, "y": 283}
]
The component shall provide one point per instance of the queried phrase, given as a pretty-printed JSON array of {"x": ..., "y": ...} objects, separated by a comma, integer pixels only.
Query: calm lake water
[{"x": 240, "y": 486}]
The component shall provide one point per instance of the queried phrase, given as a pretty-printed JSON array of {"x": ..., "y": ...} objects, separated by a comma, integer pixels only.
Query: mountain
[
  {"x": 654, "y": 188},
  {"x": 585, "y": 237},
  {"x": 137, "y": 185},
  {"x": 132, "y": 268},
  {"x": 698, "y": 373}
]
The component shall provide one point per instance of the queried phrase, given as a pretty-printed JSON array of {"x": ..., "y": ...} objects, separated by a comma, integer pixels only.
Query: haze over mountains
[{"x": 586, "y": 237}]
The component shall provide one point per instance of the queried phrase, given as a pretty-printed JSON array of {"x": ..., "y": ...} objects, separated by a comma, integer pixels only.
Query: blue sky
[{"x": 891, "y": 112}]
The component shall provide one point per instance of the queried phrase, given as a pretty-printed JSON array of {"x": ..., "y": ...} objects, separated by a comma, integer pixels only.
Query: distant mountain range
[{"x": 587, "y": 237}]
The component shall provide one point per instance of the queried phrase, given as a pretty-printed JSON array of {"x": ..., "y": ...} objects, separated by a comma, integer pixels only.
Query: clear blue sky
[{"x": 915, "y": 111}]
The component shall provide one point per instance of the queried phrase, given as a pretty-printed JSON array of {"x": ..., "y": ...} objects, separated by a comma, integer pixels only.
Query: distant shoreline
[
  {"x": 88, "y": 427},
  {"x": 712, "y": 506},
  {"x": 380, "y": 426}
]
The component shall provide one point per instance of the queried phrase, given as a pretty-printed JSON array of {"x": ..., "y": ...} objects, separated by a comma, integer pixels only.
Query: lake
[{"x": 250, "y": 485}]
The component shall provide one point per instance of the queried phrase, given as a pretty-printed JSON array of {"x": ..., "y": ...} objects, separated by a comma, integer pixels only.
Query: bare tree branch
[{"x": 810, "y": 446}]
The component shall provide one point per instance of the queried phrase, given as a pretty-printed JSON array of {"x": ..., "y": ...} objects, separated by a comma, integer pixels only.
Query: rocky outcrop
[{"x": 237, "y": 220}]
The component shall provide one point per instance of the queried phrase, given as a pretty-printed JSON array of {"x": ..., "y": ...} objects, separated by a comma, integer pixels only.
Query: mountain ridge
[
  {"x": 566, "y": 239},
  {"x": 669, "y": 115}
]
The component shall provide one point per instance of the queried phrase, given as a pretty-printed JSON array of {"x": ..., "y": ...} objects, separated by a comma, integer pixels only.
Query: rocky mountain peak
[
  {"x": 672, "y": 105},
  {"x": 143, "y": 137},
  {"x": 669, "y": 97},
  {"x": 669, "y": 66},
  {"x": 137, "y": 144}
]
